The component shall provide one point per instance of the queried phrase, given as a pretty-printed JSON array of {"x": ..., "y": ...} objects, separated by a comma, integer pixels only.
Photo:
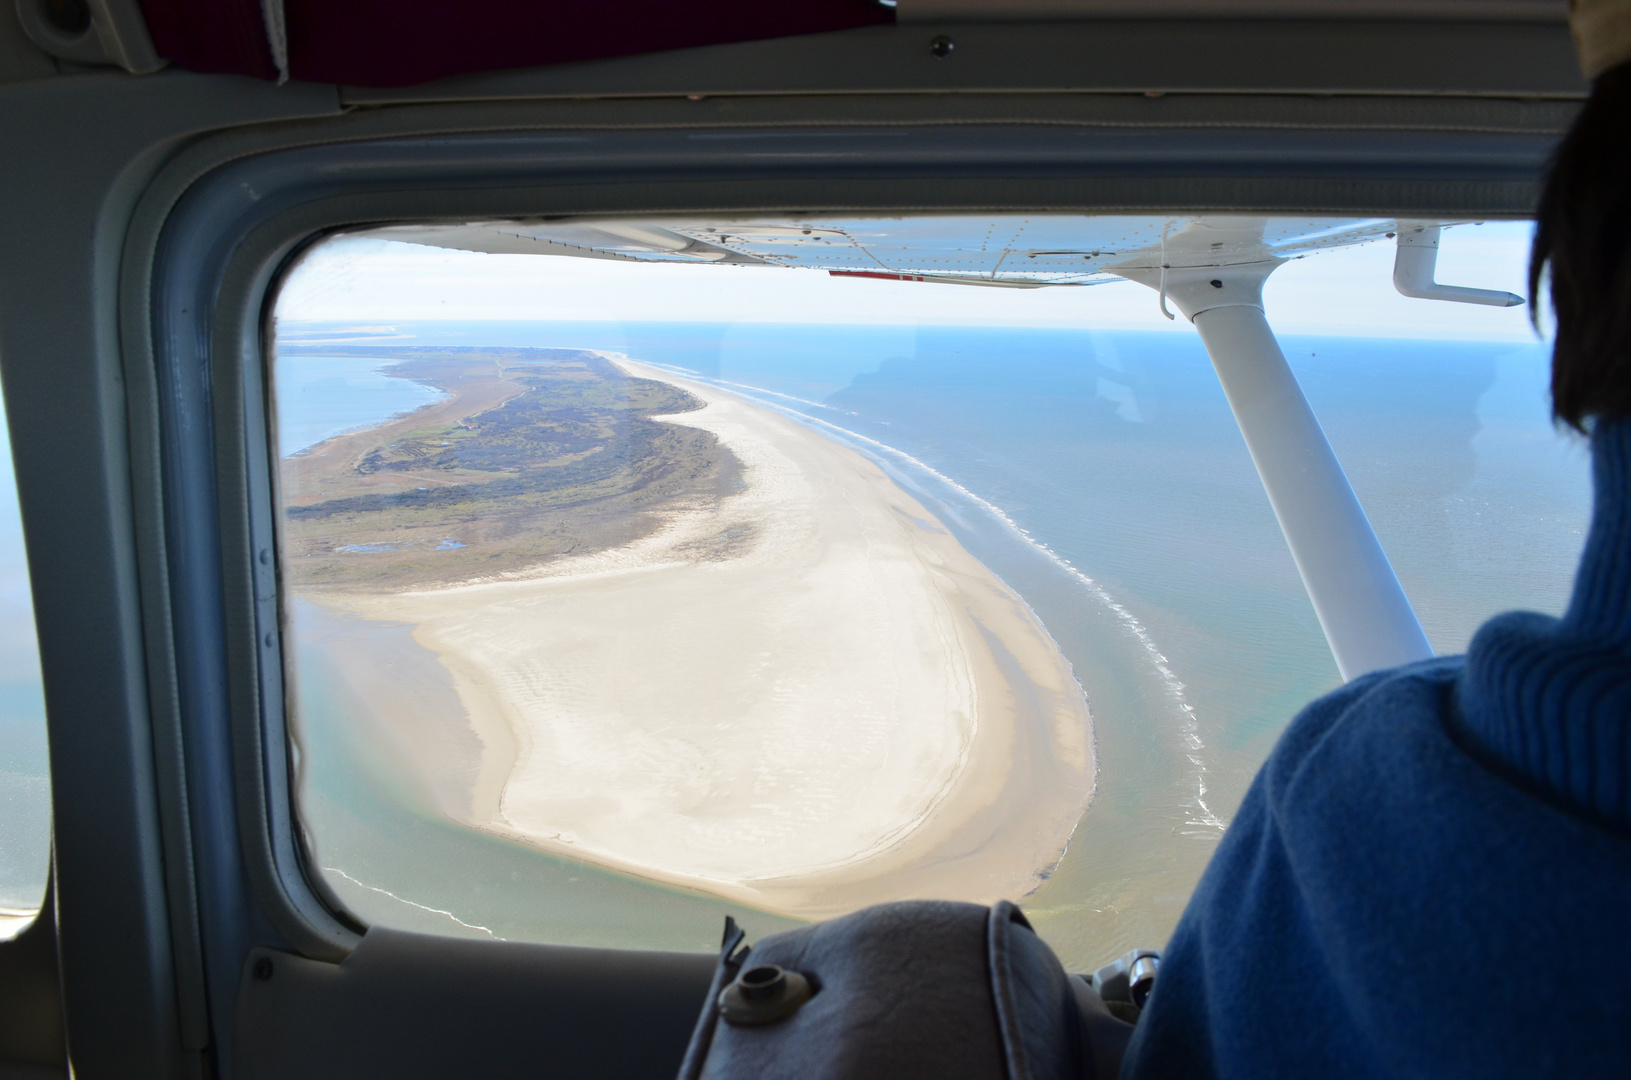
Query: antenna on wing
[
  {"x": 1164, "y": 268},
  {"x": 1417, "y": 259}
]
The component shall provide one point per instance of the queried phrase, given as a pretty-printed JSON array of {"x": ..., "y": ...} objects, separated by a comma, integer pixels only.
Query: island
[
  {"x": 534, "y": 454},
  {"x": 698, "y": 641}
]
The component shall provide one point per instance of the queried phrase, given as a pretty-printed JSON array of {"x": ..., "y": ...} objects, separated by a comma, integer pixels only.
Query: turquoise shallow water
[
  {"x": 1101, "y": 475},
  {"x": 322, "y": 396}
]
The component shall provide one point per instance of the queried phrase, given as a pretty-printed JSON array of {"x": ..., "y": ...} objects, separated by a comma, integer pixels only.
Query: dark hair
[{"x": 1583, "y": 234}]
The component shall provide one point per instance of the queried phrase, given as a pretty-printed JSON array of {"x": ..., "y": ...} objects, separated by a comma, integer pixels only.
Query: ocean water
[
  {"x": 1102, "y": 476},
  {"x": 322, "y": 396},
  {"x": 25, "y": 773}
]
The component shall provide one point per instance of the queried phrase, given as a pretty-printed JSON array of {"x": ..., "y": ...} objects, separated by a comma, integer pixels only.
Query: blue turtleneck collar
[{"x": 1547, "y": 702}]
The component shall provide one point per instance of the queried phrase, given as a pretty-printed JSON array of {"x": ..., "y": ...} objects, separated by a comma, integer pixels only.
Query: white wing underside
[{"x": 1005, "y": 250}]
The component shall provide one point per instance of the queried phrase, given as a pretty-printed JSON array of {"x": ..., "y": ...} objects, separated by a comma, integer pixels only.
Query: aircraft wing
[{"x": 1002, "y": 250}]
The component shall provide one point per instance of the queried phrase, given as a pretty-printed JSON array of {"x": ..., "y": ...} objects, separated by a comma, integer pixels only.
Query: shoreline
[{"x": 919, "y": 733}]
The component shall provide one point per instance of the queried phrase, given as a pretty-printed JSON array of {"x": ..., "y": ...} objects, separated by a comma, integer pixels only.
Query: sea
[
  {"x": 1101, "y": 475},
  {"x": 25, "y": 772}
]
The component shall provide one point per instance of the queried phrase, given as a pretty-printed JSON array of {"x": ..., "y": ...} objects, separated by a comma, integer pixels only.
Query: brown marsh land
[{"x": 533, "y": 455}]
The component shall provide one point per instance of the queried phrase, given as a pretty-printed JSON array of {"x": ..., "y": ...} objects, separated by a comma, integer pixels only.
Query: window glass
[
  {"x": 623, "y": 592},
  {"x": 25, "y": 775}
]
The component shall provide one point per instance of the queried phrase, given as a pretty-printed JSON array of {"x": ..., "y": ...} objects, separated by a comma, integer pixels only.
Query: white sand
[{"x": 805, "y": 695}]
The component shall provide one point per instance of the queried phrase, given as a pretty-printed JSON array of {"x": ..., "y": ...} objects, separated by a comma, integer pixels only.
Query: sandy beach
[{"x": 804, "y": 695}]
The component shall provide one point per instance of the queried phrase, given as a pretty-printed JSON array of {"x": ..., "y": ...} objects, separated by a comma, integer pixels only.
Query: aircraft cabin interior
[{"x": 498, "y": 490}]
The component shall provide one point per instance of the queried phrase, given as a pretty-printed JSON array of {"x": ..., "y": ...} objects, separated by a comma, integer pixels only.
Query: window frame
[{"x": 229, "y": 216}]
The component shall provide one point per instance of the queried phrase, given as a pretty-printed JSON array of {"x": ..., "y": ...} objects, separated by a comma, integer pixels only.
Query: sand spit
[{"x": 805, "y": 695}]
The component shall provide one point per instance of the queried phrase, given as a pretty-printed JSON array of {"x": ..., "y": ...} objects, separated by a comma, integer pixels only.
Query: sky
[{"x": 1345, "y": 292}]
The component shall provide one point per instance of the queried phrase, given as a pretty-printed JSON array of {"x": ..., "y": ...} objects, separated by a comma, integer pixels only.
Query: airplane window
[
  {"x": 639, "y": 572},
  {"x": 25, "y": 775}
]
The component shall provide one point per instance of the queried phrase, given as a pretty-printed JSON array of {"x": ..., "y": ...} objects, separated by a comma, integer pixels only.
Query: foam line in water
[
  {"x": 410, "y": 903},
  {"x": 1189, "y": 728},
  {"x": 762, "y": 390}
]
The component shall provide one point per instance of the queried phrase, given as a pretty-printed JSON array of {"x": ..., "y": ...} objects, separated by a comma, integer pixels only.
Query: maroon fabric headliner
[
  {"x": 227, "y": 36},
  {"x": 401, "y": 42}
]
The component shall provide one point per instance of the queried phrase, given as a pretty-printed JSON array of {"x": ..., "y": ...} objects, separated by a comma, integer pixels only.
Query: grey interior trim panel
[
  {"x": 1312, "y": 56},
  {"x": 413, "y": 1006},
  {"x": 31, "y": 1027},
  {"x": 1361, "y": 112},
  {"x": 1041, "y": 10},
  {"x": 86, "y": 148}
]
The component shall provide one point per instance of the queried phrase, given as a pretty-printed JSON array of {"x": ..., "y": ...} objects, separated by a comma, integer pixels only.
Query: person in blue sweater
[{"x": 1431, "y": 876}]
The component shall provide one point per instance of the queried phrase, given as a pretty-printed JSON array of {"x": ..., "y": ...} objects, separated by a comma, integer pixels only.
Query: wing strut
[{"x": 1363, "y": 610}]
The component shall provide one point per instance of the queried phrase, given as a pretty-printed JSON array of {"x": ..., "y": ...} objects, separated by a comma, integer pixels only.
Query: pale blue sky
[{"x": 1347, "y": 292}]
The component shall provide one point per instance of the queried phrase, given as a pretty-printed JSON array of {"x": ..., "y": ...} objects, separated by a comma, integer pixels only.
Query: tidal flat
[{"x": 699, "y": 642}]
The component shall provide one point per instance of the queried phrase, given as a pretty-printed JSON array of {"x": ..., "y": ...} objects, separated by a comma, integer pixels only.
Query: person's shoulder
[
  {"x": 1364, "y": 725},
  {"x": 1417, "y": 689}
]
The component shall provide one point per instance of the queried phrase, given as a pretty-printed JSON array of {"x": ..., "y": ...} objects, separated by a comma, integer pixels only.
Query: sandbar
[{"x": 804, "y": 695}]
